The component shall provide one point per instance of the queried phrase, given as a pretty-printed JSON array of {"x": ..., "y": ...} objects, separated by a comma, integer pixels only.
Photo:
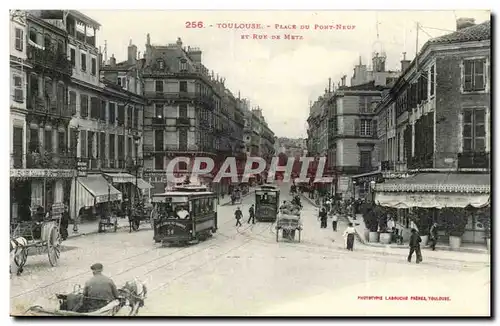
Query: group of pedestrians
[{"x": 330, "y": 210}]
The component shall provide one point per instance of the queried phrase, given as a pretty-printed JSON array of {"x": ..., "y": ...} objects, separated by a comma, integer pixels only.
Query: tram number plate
[{"x": 169, "y": 232}]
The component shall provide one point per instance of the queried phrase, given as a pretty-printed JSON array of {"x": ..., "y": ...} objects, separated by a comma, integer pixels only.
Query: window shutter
[
  {"x": 357, "y": 127},
  {"x": 374, "y": 129}
]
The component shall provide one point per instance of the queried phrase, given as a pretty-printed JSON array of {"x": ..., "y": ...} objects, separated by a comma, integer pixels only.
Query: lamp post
[
  {"x": 78, "y": 173},
  {"x": 136, "y": 142},
  {"x": 354, "y": 189}
]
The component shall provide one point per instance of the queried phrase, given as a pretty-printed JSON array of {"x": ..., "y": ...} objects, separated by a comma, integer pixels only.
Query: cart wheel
[
  {"x": 53, "y": 249},
  {"x": 115, "y": 225}
]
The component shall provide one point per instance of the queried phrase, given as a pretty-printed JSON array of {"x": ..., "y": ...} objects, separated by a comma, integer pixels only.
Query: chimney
[
  {"x": 329, "y": 85},
  {"x": 343, "y": 80},
  {"x": 465, "y": 22},
  {"x": 404, "y": 63},
  {"x": 112, "y": 61},
  {"x": 132, "y": 53}
]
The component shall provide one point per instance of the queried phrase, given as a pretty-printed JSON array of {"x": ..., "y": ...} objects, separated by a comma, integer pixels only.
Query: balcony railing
[
  {"x": 473, "y": 160},
  {"x": 170, "y": 147},
  {"x": 48, "y": 58},
  {"x": 44, "y": 161},
  {"x": 48, "y": 106},
  {"x": 183, "y": 122}
]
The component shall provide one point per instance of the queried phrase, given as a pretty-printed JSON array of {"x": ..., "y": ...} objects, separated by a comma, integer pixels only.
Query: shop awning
[
  {"x": 91, "y": 190},
  {"x": 435, "y": 190},
  {"x": 120, "y": 177},
  {"x": 141, "y": 184}
]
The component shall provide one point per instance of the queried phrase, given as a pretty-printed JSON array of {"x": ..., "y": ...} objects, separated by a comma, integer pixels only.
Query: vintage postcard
[{"x": 250, "y": 163}]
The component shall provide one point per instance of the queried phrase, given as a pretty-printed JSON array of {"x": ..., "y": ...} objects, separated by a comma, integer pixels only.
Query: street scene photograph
[{"x": 250, "y": 163}]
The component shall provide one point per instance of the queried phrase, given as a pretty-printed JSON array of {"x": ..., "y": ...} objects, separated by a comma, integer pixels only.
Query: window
[
  {"x": 72, "y": 57},
  {"x": 18, "y": 89},
  {"x": 94, "y": 107},
  {"x": 158, "y": 162},
  {"x": 34, "y": 144},
  {"x": 183, "y": 86},
  {"x": 47, "y": 141},
  {"x": 72, "y": 102},
  {"x": 19, "y": 39},
  {"x": 47, "y": 42},
  {"x": 102, "y": 109},
  {"x": 474, "y": 76},
  {"x": 364, "y": 104},
  {"x": 161, "y": 64},
  {"x": 136, "y": 118},
  {"x": 121, "y": 115},
  {"x": 121, "y": 147},
  {"x": 183, "y": 111},
  {"x": 84, "y": 61},
  {"x": 33, "y": 36},
  {"x": 60, "y": 47},
  {"x": 365, "y": 127},
  {"x": 48, "y": 89},
  {"x": 61, "y": 137},
  {"x": 158, "y": 140},
  {"x": 129, "y": 116},
  {"x": 61, "y": 100},
  {"x": 90, "y": 144},
  {"x": 365, "y": 160},
  {"x": 73, "y": 141},
  {"x": 159, "y": 110},
  {"x": 111, "y": 147},
  {"x": 102, "y": 145},
  {"x": 112, "y": 113},
  {"x": 183, "y": 65},
  {"x": 33, "y": 84},
  {"x": 84, "y": 106},
  {"x": 159, "y": 85},
  {"x": 93, "y": 68},
  {"x": 432, "y": 77},
  {"x": 474, "y": 130},
  {"x": 83, "y": 143}
]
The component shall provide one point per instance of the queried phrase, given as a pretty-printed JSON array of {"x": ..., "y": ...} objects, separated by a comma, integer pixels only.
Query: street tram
[
  {"x": 184, "y": 215},
  {"x": 267, "y": 201}
]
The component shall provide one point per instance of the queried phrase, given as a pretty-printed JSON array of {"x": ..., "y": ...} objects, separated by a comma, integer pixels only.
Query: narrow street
[{"x": 243, "y": 271}]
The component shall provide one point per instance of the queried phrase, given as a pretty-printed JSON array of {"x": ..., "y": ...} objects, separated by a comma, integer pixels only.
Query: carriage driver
[{"x": 99, "y": 290}]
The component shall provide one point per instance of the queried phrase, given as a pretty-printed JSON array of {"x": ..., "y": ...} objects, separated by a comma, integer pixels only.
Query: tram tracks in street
[{"x": 138, "y": 264}]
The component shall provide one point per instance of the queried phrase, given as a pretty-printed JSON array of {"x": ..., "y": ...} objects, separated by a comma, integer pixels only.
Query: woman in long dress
[{"x": 349, "y": 232}]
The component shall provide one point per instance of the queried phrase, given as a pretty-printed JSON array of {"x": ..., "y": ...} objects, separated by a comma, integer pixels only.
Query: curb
[
  {"x": 311, "y": 201},
  {"x": 72, "y": 235}
]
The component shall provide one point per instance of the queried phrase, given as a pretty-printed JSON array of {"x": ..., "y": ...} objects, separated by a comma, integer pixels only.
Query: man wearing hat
[{"x": 99, "y": 290}]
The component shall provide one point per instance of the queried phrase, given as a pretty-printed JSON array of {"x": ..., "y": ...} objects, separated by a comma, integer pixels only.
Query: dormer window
[
  {"x": 161, "y": 64},
  {"x": 183, "y": 65}
]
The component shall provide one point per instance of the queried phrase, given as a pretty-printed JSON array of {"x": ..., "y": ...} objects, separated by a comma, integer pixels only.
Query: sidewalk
[
  {"x": 226, "y": 201},
  {"x": 359, "y": 226},
  {"x": 92, "y": 228}
]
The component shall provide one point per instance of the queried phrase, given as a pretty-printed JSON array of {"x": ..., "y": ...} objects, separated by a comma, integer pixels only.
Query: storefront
[
  {"x": 440, "y": 192},
  {"x": 91, "y": 191},
  {"x": 129, "y": 185},
  {"x": 32, "y": 188},
  {"x": 361, "y": 184}
]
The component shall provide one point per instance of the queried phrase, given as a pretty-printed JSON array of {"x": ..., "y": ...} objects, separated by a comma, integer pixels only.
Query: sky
[{"x": 280, "y": 76}]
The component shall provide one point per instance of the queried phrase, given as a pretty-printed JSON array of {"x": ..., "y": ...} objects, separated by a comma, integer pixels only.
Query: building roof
[{"x": 479, "y": 32}]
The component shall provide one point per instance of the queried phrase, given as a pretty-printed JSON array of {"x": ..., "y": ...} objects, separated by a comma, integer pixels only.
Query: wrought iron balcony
[
  {"x": 50, "y": 160},
  {"x": 183, "y": 122},
  {"x": 473, "y": 160},
  {"x": 49, "y": 59},
  {"x": 49, "y": 107}
]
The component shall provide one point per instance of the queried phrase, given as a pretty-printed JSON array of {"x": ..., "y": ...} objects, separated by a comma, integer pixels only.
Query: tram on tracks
[
  {"x": 267, "y": 199},
  {"x": 185, "y": 215}
]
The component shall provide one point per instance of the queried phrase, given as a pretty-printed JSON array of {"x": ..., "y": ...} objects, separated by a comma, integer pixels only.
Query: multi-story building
[
  {"x": 378, "y": 74},
  {"x": 437, "y": 121},
  {"x": 42, "y": 171},
  {"x": 191, "y": 112}
]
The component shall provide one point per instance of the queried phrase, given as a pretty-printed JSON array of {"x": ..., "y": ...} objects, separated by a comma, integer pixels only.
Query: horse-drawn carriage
[
  {"x": 267, "y": 199},
  {"x": 40, "y": 235},
  {"x": 289, "y": 222},
  {"x": 132, "y": 296}
]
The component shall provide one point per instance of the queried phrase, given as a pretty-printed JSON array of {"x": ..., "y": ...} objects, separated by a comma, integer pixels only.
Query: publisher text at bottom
[{"x": 402, "y": 298}]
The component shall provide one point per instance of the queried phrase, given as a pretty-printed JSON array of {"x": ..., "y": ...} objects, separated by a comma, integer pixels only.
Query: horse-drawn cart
[
  {"x": 132, "y": 296},
  {"x": 40, "y": 236},
  {"x": 288, "y": 224}
]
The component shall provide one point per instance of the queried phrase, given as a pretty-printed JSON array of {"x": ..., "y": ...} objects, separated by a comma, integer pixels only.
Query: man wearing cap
[{"x": 99, "y": 290}]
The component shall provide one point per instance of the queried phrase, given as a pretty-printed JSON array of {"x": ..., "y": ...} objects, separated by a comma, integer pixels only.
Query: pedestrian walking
[
  {"x": 64, "y": 223},
  {"x": 335, "y": 218},
  {"x": 251, "y": 212},
  {"x": 433, "y": 235},
  {"x": 349, "y": 233},
  {"x": 238, "y": 215},
  {"x": 323, "y": 217},
  {"x": 415, "y": 246}
]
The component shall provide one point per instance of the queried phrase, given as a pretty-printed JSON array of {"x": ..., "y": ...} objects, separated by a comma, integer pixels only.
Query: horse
[
  {"x": 17, "y": 247},
  {"x": 132, "y": 294}
]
